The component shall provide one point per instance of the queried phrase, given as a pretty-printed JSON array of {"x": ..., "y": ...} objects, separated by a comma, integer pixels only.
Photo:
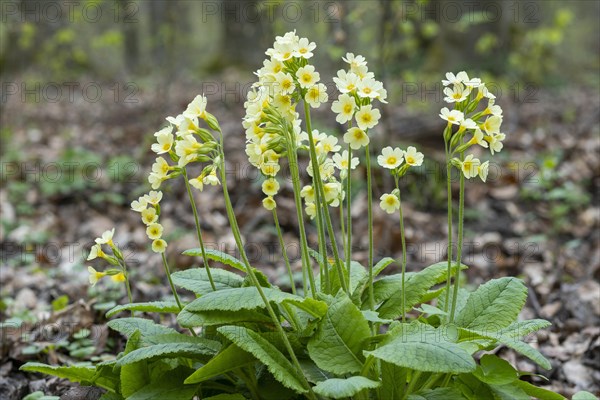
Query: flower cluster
[
  {"x": 185, "y": 142},
  {"x": 149, "y": 208},
  {"x": 116, "y": 274},
  {"x": 358, "y": 88},
  {"x": 483, "y": 127},
  {"x": 398, "y": 161}
]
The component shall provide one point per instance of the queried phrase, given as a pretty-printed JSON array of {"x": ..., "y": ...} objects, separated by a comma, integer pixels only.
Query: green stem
[
  {"x": 449, "y": 250},
  {"x": 198, "y": 230},
  {"x": 173, "y": 290},
  {"x": 403, "y": 240},
  {"x": 306, "y": 267},
  {"x": 349, "y": 217},
  {"x": 342, "y": 226},
  {"x": 461, "y": 217},
  {"x": 238, "y": 240},
  {"x": 284, "y": 251},
  {"x": 168, "y": 272},
  {"x": 123, "y": 266},
  {"x": 321, "y": 193},
  {"x": 411, "y": 385},
  {"x": 370, "y": 222}
]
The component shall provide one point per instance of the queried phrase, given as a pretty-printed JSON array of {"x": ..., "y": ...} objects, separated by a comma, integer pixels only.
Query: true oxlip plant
[{"x": 348, "y": 331}]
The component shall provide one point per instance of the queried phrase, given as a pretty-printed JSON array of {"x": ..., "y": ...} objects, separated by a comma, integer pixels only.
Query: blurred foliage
[
  {"x": 410, "y": 40},
  {"x": 561, "y": 198}
]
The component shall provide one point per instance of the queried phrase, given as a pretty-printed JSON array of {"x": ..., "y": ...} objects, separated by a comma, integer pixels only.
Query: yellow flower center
[
  {"x": 410, "y": 160},
  {"x": 366, "y": 118},
  {"x": 277, "y": 68},
  {"x": 306, "y": 77},
  {"x": 390, "y": 200},
  {"x": 392, "y": 160},
  {"x": 457, "y": 95},
  {"x": 358, "y": 135},
  {"x": 303, "y": 51},
  {"x": 348, "y": 108},
  {"x": 367, "y": 90}
]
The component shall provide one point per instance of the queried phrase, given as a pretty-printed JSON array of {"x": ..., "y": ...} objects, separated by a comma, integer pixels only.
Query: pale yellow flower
[
  {"x": 154, "y": 231},
  {"x": 356, "y": 138},
  {"x": 344, "y": 107},
  {"x": 413, "y": 157},
  {"x": 269, "y": 203},
  {"x": 389, "y": 203},
  {"x": 307, "y": 76},
  {"x": 390, "y": 158},
  {"x": 159, "y": 246},
  {"x": 95, "y": 276},
  {"x": 270, "y": 187},
  {"x": 149, "y": 216},
  {"x": 367, "y": 117}
]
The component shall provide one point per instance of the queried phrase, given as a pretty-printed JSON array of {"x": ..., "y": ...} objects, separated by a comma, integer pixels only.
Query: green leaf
[
  {"x": 339, "y": 388},
  {"x": 227, "y": 360},
  {"x": 152, "y": 306},
  {"x": 526, "y": 350},
  {"x": 393, "y": 379},
  {"x": 168, "y": 338},
  {"x": 519, "y": 329},
  {"x": 373, "y": 316},
  {"x": 74, "y": 373},
  {"x": 226, "y": 396},
  {"x": 494, "y": 305},
  {"x": 541, "y": 393},
  {"x": 583, "y": 395},
  {"x": 313, "y": 373},
  {"x": 128, "y": 326},
  {"x": 246, "y": 298},
  {"x": 316, "y": 308},
  {"x": 277, "y": 364},
  {"x": 134, "y": 376},
  {"x": 446, "y": 393},
  {"x": 219, "y": 256},
  {"x": 494, "y": 370},
  {"x": 168, "y": 386},
  {"x": 381, "y": 265},
  {"x": 189, "y": 319},
  {"x": 201, "y": 347},
  {"x": 417, "y": 284},
  {"x": 424, "y": 348},
  {"x": 196, "y": 280},
  {"x": 60, "y": 303},
  {"x": 338, "y": 343},
  {"x": 509, "y": 341},
  {"x": 509, "y": 392}
]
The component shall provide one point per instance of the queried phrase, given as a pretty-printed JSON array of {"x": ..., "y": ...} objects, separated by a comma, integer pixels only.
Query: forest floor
[{"x": 70, "y": 170}]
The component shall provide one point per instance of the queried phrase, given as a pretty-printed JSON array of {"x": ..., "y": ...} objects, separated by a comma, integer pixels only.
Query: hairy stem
[
  {"x": 403, "y": 240},
  {"x": 319, "y": 183},
  {"x": 198, "y": 230},
  {"x": 370, "y": 222},
  {"x": 306, "y": 267},
  {"x": 461, "y": 217},
  {"x": 449, "y": 251},
  {"x": 238, "y": 240},
  {"x": 349, "y": 218},
  {"x": 284, "y": 251}
]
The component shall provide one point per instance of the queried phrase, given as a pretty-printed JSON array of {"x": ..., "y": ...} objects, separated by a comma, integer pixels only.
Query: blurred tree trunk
[
  {"x": 246, "y": 26},
  {"x": 131, "y": 39}
]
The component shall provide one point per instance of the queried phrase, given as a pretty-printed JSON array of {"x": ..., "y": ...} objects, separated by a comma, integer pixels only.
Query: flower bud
[{"x": 212, "y": 122}]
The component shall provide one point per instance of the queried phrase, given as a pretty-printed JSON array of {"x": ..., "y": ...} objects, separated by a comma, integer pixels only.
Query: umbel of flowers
[{"x": 475, "y": 120}]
